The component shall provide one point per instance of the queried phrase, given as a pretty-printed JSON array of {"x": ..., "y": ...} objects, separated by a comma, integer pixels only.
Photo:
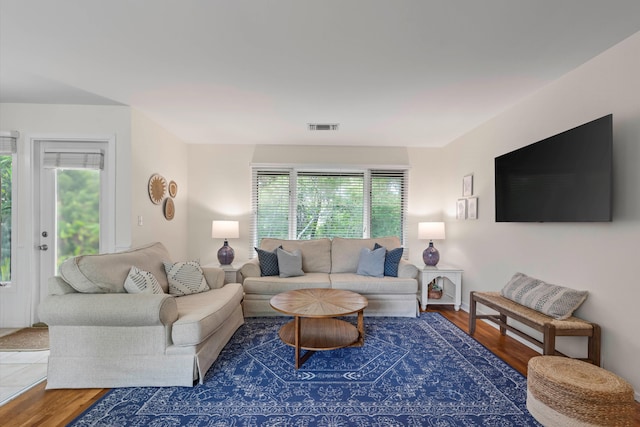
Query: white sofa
[
  {"x": 332, "y": 263},
  {"x": 103, "y": 337}
]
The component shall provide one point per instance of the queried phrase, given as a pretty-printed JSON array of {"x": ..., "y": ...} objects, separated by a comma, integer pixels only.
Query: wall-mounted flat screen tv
[{"x": 563, "y": 178}]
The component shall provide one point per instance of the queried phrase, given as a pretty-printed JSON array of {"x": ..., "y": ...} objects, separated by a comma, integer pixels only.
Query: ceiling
[{"x": 391, "y": 73}]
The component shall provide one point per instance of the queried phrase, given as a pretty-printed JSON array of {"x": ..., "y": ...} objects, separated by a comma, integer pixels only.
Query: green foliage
[
  {"x": 78, "y": 213},
  {"x": 5, "y": 217}
]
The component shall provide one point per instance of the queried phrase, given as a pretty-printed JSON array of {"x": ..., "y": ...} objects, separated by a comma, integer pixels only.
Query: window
[
  {"x": 302, "y": 205},
  {"x": 388, "y": 204},
  {"x": 7, "y": 159},
  {"x": 76, "y": 185}
]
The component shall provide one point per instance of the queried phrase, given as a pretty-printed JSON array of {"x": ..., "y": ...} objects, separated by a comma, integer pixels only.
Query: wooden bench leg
[
  {"x": 549, "y": 339},
  {"x": 472, "y": 314},
  {"x": 503, "y": 321},
  {"x": 594, "y": 345}
]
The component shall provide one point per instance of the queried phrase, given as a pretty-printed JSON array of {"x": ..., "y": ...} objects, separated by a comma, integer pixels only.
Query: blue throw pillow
[
  {"x": 391, "y": 260},
  {"x": 371, "y": 262},
  {"x": 268, "y": 262}
]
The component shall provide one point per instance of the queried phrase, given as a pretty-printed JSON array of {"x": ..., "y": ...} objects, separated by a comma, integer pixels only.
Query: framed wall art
[
  {"x": 461, "y": 209},
  {"x": 472, "y": 208},
  {"x": 467, "y": 186}
]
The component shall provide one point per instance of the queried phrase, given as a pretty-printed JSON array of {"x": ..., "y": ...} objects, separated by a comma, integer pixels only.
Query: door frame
[{"x": 107, "y": 212}]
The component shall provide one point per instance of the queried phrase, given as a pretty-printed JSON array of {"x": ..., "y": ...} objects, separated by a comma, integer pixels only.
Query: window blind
[
  {"x": 388, "y": 204},
  {"x": 73, "y": 160},
  {"x": 8, "y": 142},
  {"x": 292, "y": 204},
  {"x": 270, "y": 205}
]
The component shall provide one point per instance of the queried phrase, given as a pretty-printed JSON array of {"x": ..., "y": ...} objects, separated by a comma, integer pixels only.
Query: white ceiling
[{"x": 406, "y": 73}]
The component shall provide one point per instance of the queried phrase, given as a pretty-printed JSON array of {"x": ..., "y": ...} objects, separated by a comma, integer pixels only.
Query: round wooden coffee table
[{"x": 314, "y": 326}]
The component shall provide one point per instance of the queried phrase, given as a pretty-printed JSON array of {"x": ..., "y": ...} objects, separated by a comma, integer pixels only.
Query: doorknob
[{"x": 43, "y": 247}]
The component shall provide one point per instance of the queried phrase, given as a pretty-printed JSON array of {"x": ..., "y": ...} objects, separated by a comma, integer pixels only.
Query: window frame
[
  {"x": 14, "y": 211},
  {"x": 293, "y": 171}
]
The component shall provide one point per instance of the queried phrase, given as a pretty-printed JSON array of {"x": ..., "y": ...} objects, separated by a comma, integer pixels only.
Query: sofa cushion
[
  {"x": 271, "y": 285},
  {"x": 185, "y": 278},
  {"x": 553, "y": 300},
  {"x": 344, "y": 252},
  {"x": 268, "y": 262},
  {"x": 106, "y": 273},
  {"x": 371, "y": 262},
  {"x": 141, "y": 282},
  {"x": 373, "y": 285},
  {"x": 316, "y": 254},
  {"x": 290, "y": 263},
  {"x": 391, "y": 260},
  {"x": 201, "y": 315}
]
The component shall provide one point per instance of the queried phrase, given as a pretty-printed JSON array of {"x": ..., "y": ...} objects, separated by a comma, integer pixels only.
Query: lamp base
[
  {"x": 431, "y": 256},
  {"x": 226, "y": 254}
]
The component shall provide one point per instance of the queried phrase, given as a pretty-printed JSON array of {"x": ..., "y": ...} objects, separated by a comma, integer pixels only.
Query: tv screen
[{"x": 563, "y": 178}]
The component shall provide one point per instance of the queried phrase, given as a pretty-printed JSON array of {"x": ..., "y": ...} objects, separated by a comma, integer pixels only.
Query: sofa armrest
[
  {"x": 250, "y": 269},
  {"x": 407, "y": 270},
  {"x": 108, "y": 309},
  {"x": 214, "y": 277},
  {"x": 58, "y": 286}
]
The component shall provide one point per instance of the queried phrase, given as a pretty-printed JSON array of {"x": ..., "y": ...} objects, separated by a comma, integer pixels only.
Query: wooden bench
[{"x": 548, "y": 326}]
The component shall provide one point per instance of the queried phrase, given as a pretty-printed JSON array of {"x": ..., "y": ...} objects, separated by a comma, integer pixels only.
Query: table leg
[
  {"x": 360, "y": 341},
  {"x": 297, "y": 341}
]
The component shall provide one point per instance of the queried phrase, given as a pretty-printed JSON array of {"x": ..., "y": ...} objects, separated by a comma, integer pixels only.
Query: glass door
[{"x": 71, "y": 196}]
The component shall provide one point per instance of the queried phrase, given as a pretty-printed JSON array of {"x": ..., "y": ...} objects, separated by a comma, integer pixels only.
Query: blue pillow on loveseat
[{"x": 391, "y": 260}]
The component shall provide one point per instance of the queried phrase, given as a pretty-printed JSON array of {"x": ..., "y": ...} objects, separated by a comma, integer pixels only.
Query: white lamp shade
[
  {"x": 431, "y": 231},
  {"x": 225, "y": 230}
]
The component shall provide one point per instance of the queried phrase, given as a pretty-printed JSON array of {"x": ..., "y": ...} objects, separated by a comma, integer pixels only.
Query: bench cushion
[{"x": 553, "y": 300}]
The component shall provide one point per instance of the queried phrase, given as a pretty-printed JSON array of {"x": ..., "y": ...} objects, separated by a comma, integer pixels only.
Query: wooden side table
[{"x": 438, "y": 273}]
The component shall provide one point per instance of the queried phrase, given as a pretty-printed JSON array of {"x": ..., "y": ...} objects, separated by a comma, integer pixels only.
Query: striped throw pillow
[
  {"x": 553, "y": 300},
  {"x": 141, "y": 282}
]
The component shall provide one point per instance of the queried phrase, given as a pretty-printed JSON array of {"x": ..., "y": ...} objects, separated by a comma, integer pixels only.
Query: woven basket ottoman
[{"x": 567, "y": 392}]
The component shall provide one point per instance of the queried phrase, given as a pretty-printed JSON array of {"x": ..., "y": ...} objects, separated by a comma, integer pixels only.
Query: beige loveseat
[
  {"x": 332, "y": 263},
  {"x": 103, "y": 337}
]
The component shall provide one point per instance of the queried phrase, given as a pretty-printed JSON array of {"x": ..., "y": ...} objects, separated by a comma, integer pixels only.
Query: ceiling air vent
[{"x": 323, "y": 126}]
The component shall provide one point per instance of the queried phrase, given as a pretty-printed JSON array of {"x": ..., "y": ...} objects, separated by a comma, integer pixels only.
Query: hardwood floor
[{"x": 40, "y": 407}]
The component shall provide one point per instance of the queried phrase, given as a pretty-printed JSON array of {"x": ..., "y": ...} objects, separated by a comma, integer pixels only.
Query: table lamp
[
  {"x": 431, "y": 231},
  {"x": 225, "y": 230}
]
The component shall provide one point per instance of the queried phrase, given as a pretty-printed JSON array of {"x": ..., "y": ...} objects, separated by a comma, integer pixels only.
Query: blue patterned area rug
[{"x": 410, "y": 372}]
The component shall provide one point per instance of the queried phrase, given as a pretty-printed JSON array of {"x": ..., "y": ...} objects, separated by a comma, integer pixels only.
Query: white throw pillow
[
  {"x": 185, "y": 278},
  {"x": 141, "y": 282}
]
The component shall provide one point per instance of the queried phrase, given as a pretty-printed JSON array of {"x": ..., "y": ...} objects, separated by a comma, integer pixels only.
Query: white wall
[
  {"x": 156, "y": 150},
  {"x": 598, "y": 257},
  {"x": 57, "y": 121},
  {"x": 220, "y": 186}
]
